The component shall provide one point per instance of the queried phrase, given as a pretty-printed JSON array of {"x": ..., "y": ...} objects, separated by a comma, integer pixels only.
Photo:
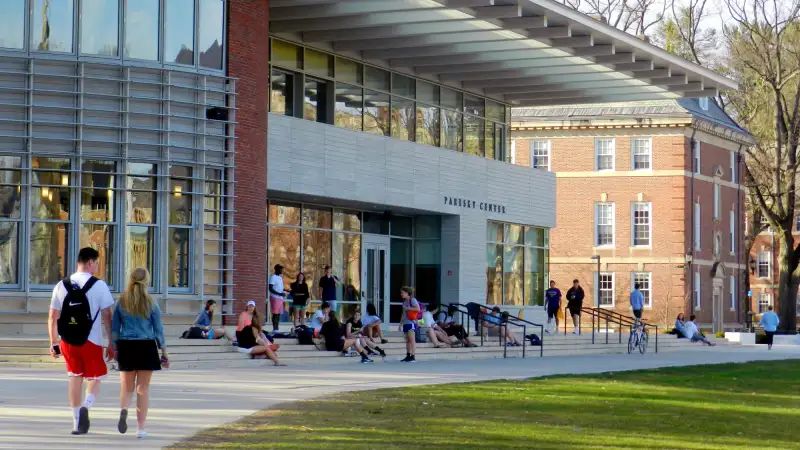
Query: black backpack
[
  {"x": 305, "y": 335},
  {"x": 75, "y": 322}
]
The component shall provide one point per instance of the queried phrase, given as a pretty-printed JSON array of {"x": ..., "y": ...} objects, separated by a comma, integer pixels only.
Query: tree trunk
[{"x": 787, "y": 283}]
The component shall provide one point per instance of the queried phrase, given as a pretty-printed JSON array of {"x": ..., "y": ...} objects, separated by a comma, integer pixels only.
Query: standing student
[
  {"x": 411, "y": 313},
  {"x": 575, "y": 296},
  {"x": 553, "y": 304},
  {"x": 770, "y": 321},
  {"x": 327, "y": 288},
  {"x": 299, "y": 292},
  {"x": 138, "y": 333},
  {"x": 76, "y": 322},
  {"x": 277, "y": 295}
]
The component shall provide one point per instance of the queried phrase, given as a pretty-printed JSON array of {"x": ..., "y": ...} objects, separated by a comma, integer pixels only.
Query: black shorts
[
  {"x": 770, "y": 337},
  {"x": 336, "y": 346},
  {"x": 551, "y": 312},
  {"x": 574, "y": 310},
  {"x": 245, "y": 338},
  {"x": 637, "y": 313},
  {"x": 138, "y": 355}
]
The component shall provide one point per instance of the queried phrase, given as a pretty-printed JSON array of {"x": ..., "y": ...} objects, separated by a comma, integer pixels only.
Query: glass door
[{"x": 375, "y": 275}]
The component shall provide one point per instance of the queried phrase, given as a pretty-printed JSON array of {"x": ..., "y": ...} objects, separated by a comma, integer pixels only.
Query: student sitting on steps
[{"x": 333, "y": 332}]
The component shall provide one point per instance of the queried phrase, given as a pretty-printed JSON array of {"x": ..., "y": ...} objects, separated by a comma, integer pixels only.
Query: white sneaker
[
  {"x": 141, "y": 434},
  {"x": 575, "y": 332}
]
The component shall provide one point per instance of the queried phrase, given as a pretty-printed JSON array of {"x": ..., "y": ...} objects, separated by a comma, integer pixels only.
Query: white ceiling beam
[
  {"x": 525, "y": 22},
  {"x": 577, "y": 91},
  {"x": 349, "y": 23},
  {"x": 670, "y": 81},
  {"x": 637, "y": 66},
  {"x": 470, "y": 58},
  {"x": 477, "y": 48},
  {"x": 572, "y": 42},
  {"x": 539, "y": 81},
  {"x": 594, "y": 50},
  {"x": 549, "y": 32},
  {"x": 521, "y": 73},
  {"x": 275, "y": 4},
  {"x": 688, "y": 87},
  {"x": 556, "y": 93},
  {"x": 498, "y": 12},
  {"x": 617, "y": 58},
  {"x": 338, "y": 9},
  {"x": 707, "y": 92},
  {"x": 502, "y": 65},
  {"x": 549, "y": 84},
  {"x": 655, "y": 73},
  {"x": 597, "y": 99},
  {"x": 467, "y": 3},
  {"x": 417, "y": 41},
  {"x": 396, "y": 32}
]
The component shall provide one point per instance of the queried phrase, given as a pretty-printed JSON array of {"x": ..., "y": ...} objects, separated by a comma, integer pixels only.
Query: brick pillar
[{"x": 248, "y": 61}]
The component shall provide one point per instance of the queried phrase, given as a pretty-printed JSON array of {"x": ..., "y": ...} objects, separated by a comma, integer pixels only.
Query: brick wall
[{"x": 248, "y": 60}]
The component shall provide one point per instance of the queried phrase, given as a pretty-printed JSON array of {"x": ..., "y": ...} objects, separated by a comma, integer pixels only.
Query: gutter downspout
[
  {"x": 691, "y": 197},
  {"x": 737, "y": 171}
]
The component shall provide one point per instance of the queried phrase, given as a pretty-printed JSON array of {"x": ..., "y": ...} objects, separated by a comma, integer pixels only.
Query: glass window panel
[
  {"x": 402, "y": 85},
  {"x": 347, "y": 220},
  {"x": 10, "y": 162},
  {"x": 316, "y": 255},
  {"x": 98, "y": 174},
  {"x": 401, "y": 226},
  {"x": 44, "y": 163},
  {"x": 140, "y": 247},
  {"x": 51, "y": 25},
  {"x": 495, "y": 111},
  {"x": 141, "y": 207},
  {"x": 347, "y": 264},
  {"x": 451, "y": 130},
  {"x": 180, "y": 204},
  {"x": 349, "y": 71},
  {"x": 513, "y": 233},
  {"x": 10, "y": 202},
  {"x": 494, "y": 274},
  {"x": 286, "y": 55},
  {"x": 314, "y": 100},
  {"x": 427, "y": 92},
  {"x": 375, "y": 223},
  {"x": 212, "y": 262},
  {"x": 179, "y": 31},
  {"x": 474, "y": 105},
  {"x": 512, "y": 275},
  {"x": 180, "y": 171},
  {"x": 100, "y": 238},
  {"x": 316, "y": 217},
  {"x": 212, "y": 203},
  {"x": 100, "y": 27},
  {"x": 428, "y": 227},
  {"x": 474, "y": 136},
  {"x": 500, "y": 143},
  {"x": 10, "y": 177},
  {"x": 534, "y": 236},
  {"x": 494, "y": 232},
  {"x": 427, "y": 270},
  {"x": 97, "y": 205},
  {"x": 141, "y": 29},
  {"x": 376, "y": 113},
  {"x": 12, "y": 24},
  {"x": 534, "y": 277},
  {"x": 48, "y": 264},
  {"x": 400, "y": 266},
  {"x": 490, "y": 141},
  {"x": 403, "y": 119},
  {"x": 284, "y": 214},
  {"x": 9, "y": 252},
  {"x": 210, "y": 33},
  {"x": 179, "y": 257},
  {"x": 282, "y": 93},
  {"x": 451, "y": 98},
  {"x": 135, "y": 168},
  {"x": 318, "y": 63},
  {"x": 284, "y": 249},
  {"x": 349, "y": 107},
  {"x": 50, "y": 203},
  {"x": 377, "y": 79},
  {"x": 429, "y": 130}
]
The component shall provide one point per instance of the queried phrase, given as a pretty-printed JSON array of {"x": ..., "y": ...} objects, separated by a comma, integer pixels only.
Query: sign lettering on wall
[{"x": 472, "y": 204}]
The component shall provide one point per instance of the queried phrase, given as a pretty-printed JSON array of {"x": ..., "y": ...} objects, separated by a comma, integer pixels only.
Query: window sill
[{"x": 642, "y": 247}]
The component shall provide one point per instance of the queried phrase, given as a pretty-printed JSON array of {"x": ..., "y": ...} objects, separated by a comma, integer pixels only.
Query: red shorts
[{"x": 84, "y": 361}]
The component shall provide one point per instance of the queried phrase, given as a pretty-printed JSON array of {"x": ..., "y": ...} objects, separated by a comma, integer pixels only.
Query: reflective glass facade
[{"x": 517, "y": 259}]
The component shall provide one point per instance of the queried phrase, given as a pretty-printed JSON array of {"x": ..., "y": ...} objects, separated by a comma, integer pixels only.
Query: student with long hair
[
  {"x": 205, "y": 320},
  {"x": 335, "y": 341},
  {"x": 411, "y": 313},
  {"x": 353, "y": 329},
  {"x": 138, "y": 333},
  {"x": 299, "y": 292},
  {"x": 250, "y": 335}
]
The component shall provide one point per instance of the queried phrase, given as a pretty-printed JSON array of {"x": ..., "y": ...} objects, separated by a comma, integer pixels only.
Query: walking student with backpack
[{"x": 79, "y": 304}]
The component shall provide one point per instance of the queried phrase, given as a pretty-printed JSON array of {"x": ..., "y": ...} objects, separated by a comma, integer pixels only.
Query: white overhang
[{"x": 522, "y": 52}]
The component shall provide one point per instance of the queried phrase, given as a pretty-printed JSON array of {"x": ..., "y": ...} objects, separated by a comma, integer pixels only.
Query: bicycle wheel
[
  {"x": 643, "y": 342},
  {"x": 631, "y": 342}
]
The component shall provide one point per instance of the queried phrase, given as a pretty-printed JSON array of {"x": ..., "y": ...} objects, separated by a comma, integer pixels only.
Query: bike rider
[{"x": 637, "y": 303}]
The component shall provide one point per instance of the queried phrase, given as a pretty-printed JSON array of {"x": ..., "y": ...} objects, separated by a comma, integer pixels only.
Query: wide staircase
[{"x": 606, "y": 334}]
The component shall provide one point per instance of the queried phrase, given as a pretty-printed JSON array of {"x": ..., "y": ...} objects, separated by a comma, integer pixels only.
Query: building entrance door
[{"x": 375, "y": 275}]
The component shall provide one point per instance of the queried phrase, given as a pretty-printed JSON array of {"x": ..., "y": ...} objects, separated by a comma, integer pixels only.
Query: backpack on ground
[
  {"x": 75, "y": 322},
  {"x": 420, "y": 336},
  {"x": 193, "y": 333},
  {"x": 535, "y": 340},
  {"x": 305, "y": 335}
]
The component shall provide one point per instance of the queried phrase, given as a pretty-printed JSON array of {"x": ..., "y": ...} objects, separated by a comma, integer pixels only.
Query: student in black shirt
[
  {"x": 575, "y": 303},
  {"x": 353, "y": 330},
  {"x": 299, "y": 293},
  {"x": 335, "y": 341}
]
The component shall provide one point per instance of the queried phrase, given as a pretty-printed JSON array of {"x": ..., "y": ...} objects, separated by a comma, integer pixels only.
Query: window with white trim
[
  {"x": 643, "y": 279},
  {"x": 716, "y": 200},
  {"x": 604, "y": 224},
  {"x": 604, "y": 282},
  {"x": 604, "y": 150},
  {"x": 540, "y": 154},
  {"x": 696, "y": 157},
  {"x": 764, "y": 264},
  {"x": 733, "y": 292},
  {"x": 697, "y": 226},
  {"x": 764, "y": 302},
  {"x": 703, "y": 103},
  {"x": 732, "y": 226},
  {"x": 696, "y": 293},
  {"x": 641, "y": 154},
  {"x": 733, "y": 167},
  {"x": 642, "y": 226}
]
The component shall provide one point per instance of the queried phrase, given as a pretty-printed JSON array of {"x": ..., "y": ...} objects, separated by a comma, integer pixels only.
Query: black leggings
[
  {"x": 276, "y": 320},
  {"x": 457, "y": 331}
]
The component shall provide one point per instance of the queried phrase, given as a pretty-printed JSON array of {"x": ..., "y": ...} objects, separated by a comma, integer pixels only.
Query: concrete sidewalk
[{"x": 34, "y": 412}]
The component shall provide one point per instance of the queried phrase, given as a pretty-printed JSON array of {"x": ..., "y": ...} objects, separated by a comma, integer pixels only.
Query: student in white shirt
[
  {"x": 436, "y": 334},
  {"x": 371, "y": 324},
  {"x": 277, "y": 295}
]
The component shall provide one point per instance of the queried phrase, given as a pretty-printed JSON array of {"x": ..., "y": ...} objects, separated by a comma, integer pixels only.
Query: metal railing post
[
  {"x": 541, "y": 341},
  {"x": 524, "y": 333},
  {"x": 606, "y": 329},
  {"x": 656, "y": 338},
  {"x": 598, "y": 324}
]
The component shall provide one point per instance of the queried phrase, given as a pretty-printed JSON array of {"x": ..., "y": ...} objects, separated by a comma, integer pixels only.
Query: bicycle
[{"x": 638, "y": 338}]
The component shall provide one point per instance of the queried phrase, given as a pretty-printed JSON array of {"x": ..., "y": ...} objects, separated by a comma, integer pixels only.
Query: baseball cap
[{"x": 251, "y": 303}]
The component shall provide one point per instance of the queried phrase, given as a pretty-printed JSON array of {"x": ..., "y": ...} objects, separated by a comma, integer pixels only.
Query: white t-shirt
[
  {"x": 427, "y": 319},
  {"x": 99, "y": 298},
  {"x": 689, "y": 329},
  {"x": 276, "y": 281},
  {"x": 369, "y": 320},
  {"x": 316, "y": 322}
]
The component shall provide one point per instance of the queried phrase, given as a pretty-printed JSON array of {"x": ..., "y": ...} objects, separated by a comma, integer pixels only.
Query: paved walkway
[{"x": 34, "y": 412}]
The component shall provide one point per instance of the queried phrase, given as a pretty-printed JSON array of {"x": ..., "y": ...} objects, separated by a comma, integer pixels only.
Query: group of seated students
[
  {"x": 443, "y": 327},
  {"x": 493, "y": 323},
  {"x": 341, "y": 338},
  {"x": 689, "y": 330}
]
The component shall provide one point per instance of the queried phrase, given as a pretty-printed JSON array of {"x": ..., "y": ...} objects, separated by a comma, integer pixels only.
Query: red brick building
[
  {"x": 652, "y": 189},
  {"x": 763, "y": 269}
]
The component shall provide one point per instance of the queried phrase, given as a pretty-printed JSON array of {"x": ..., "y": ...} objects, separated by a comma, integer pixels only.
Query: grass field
[{"x": 732, "y": 406}]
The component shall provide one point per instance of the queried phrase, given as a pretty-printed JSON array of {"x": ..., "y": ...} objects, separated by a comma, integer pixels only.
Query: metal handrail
[
  {"x": 613, "y": 317},
  {"x": 518, "y": 322}
]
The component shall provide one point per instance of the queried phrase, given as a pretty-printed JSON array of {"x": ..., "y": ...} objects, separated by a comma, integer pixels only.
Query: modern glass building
[{"x": 208, "y": 140}]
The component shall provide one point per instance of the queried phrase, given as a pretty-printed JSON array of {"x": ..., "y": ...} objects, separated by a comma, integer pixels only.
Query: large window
[
  {"x": 697, "y": 229},
  {"x": 52, "y": 25},
  {"x": 179, "y": 32},
  {"x": 142, "y": 18},
  {"x": 180, "y": 236},
  {"x": 50, "y": 220},
  {"x": 141, "y": 227},
  {"x": 696, "y": 291},
  {"x": 604, "y": 154},
  {"x": 641, "y": 154},
  {"x": 764, "y": 264},
  {"x": 732, "y": 226},
  {"x": 281, "y": 98},
  {"x": 99, "y": 27},
  {"x": 696, "y": 157},
  {"x": 98, "y": 213},
  {"x": 12, "y": 24},
  {"x": 732, "y": 291},
  {"x": 644, "y": 280},
  {"x": 10, "y": 218},
  {"x": 349, "y": 108},
  {"x": 604, "y": 282},
  {"x": 209, "y": 34},
  {"x": 516, "y": 264},
  {"x": 604, "y": 224},
  {"x": 642, "y": 226},
  {"x": 764, "y": 302},
  {"x": 540, "y": 154},
  {"x": 716, "y": 201}
]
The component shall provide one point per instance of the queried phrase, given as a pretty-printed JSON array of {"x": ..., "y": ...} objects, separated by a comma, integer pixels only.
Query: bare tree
[{"x": 632, "y": 16}]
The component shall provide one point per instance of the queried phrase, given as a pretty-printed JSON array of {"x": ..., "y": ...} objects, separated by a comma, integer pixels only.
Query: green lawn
[{"x": 732, "y": 406}]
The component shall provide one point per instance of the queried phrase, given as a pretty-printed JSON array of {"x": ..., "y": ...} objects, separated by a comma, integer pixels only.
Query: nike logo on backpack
[{"x": 74, "y": 304}]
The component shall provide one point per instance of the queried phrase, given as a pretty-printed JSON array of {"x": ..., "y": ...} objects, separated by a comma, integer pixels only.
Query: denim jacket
[{"x": 134, "y": 328}]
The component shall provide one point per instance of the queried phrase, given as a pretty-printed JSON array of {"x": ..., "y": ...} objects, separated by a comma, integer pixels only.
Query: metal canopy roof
[{"x": 523, "y": 52}]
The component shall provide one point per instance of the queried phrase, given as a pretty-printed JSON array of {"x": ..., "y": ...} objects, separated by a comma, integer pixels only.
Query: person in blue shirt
[
  {"x": 637, "y": 303},
  {"x": 770, "y": 321},
  {"x": 552, "y": 304}
]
